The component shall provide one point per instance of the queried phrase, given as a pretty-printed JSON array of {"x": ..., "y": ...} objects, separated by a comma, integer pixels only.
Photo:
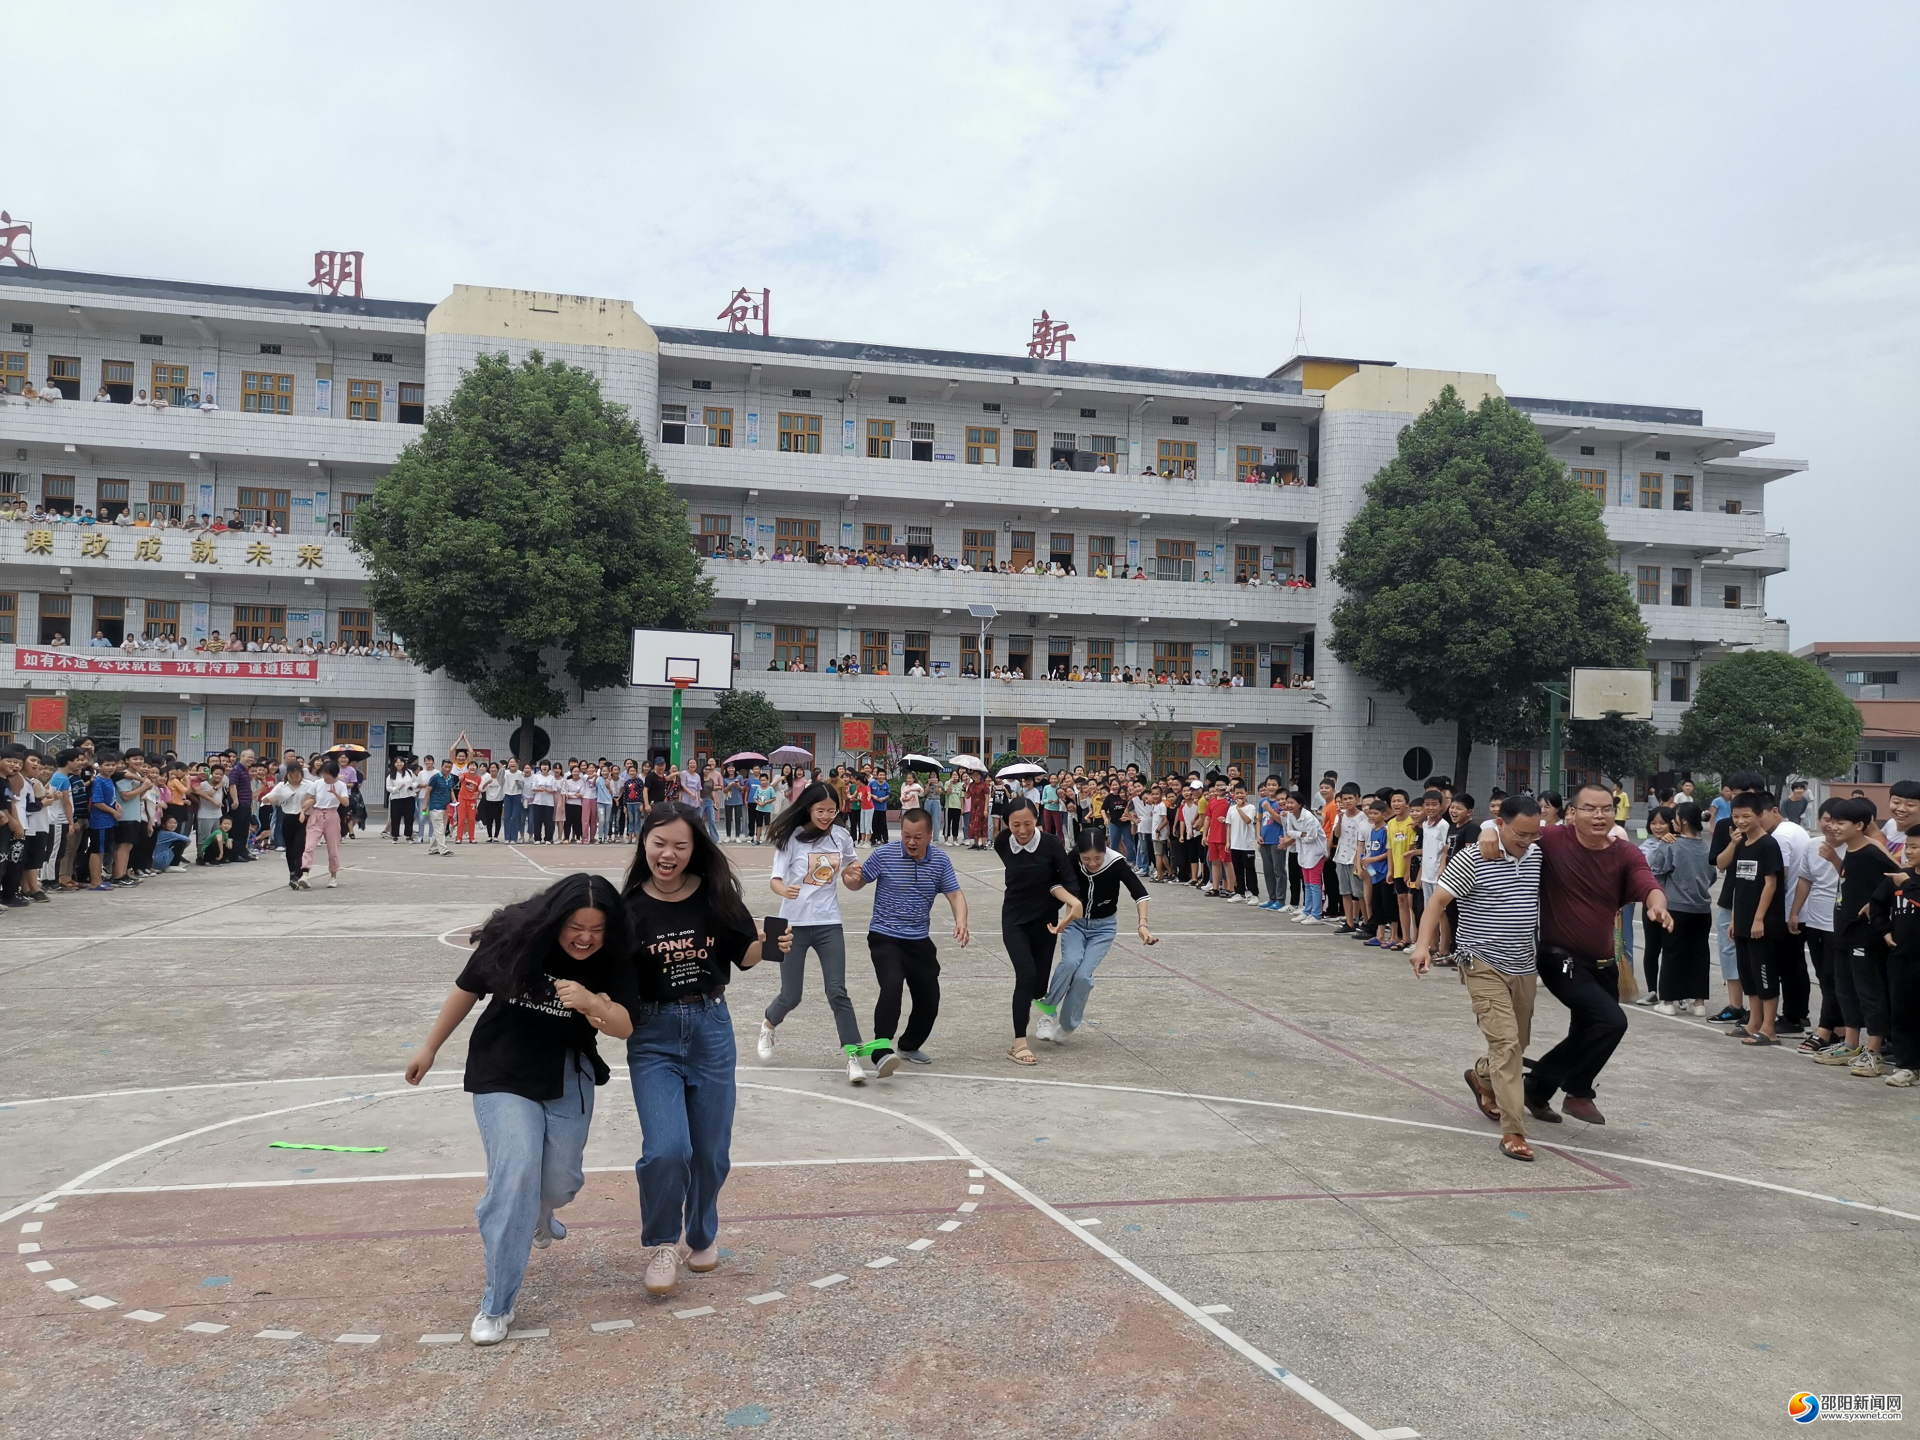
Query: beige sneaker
[
  {"x": 701, "y": 1261},
  {"x": 663, "y": 1270}
]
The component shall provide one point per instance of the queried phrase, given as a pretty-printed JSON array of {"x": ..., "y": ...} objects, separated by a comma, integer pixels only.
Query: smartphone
[{"x": 774, "y": 927}]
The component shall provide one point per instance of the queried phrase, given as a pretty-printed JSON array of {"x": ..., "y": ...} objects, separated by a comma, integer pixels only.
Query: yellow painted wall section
[
  {"x": 539, "y": 317},
  {"x": 1406, "y": 391},
  {"x": 1319, "y": 375}
]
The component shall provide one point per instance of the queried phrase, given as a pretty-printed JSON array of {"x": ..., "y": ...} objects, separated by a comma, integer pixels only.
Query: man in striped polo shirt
[
  {"x": 1497, "y": 899},
  {"x": 910, "y": 871}
]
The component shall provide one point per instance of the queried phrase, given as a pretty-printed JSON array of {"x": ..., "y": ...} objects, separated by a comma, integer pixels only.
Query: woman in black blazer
[{"x": 1040, "y": 880}]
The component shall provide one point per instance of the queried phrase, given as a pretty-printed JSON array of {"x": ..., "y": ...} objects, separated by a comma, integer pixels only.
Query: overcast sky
[{"x": 1679, "y": 205}]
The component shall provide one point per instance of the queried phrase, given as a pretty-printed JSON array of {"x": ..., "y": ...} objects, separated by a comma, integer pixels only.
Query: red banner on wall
[
  {"x": 856, "y": 736},
  {"x": 1033, "y": 740},
  {"x": 46, "y": 714},
  {"x": 1206, "y": 744},
  {"x": 67, "y": 662}
]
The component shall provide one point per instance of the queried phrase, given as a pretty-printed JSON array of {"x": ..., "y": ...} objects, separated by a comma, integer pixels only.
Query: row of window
[
  {"x": 160, "y": 733},
  {"x": 1680, "y": 588},
  {"x": 1873, "y": 677},
  {"x": 1658, "y": 491},
  {"x": 262, "y": 392},
  {"x": 800, "y": 645},
  {"x": 162, "y": 500},
  {"x": 116, "y": 617}
]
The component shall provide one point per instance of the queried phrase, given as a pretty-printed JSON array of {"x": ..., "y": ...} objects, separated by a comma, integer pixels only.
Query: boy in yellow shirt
[{"x": 1403, "y": 833}]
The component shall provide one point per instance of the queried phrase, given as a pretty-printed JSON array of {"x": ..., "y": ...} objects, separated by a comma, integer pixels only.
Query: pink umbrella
[{"x": 744, "y": 755}]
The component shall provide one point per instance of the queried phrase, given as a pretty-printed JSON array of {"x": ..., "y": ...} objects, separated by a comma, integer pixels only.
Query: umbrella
[
  {"x": 1009, "y": 772},
  {"x": 920, "y": 762},
  {"x": 744, "y": 755},
  {"x": 350, "y": 750},
  {"x": 965, "y": 762},
  {"x": 790, "y": 755}
]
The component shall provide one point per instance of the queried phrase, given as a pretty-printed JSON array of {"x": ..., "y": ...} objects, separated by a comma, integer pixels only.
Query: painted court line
[
  {"x": 97, "y": 1302},
  {"x": 768, "y": 1298},
  {"x": 532, "y": 1332},
  {"x": 1216, "y": 1309},
  {"x": 453, "y": 1337},
  {"x": 61, "y": 1287},
  {"x": 882, "y": 1262},
  {"x": 969, "y": 1207},
  {"x": 207, "y": 1327},
  {"x": 277, "y": 1335},
  {"x": 947, "y": 1227},
  {"x": 146, "y": 1316},
  {"x": 30, "y": 1247},
  {"x": 919, "y": 1244},
  {"x": 606, "y": 1327},
  {"x": 32, "y": 1227},
  {"x": 693, "y": 1314},
  {"x": 356, "y": 1339},
  {"x": 1088, "y": 1221},
  {"x": 39, "y": 1267},
  {"x": 824, "y": 1281}
]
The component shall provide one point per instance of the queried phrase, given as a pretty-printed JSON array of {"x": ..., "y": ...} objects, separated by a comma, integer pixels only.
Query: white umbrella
[
  {"x": 965, "y": 762},
  {"x": 1009, "y": 772},
  {"x": 920, "y": 762},
  {"x": 790, "y": 755}
]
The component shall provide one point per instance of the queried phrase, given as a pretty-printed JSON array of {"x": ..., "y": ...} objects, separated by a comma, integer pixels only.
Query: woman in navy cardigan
[{"x": 1040, "y": 880}]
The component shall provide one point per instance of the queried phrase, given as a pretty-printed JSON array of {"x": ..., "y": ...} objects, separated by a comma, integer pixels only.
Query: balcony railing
[
  {"x": 184, "y": 430},
  {"x": 172, "y": 673},
  {"x": 201, "y": 553}
]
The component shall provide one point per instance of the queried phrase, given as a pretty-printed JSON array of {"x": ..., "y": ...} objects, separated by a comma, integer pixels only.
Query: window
[
  {"x": 878, "y": 536},
  {"x": 354, "y": 627},
  {"x": 797, "y": 536},
  {"x": 1730, "y": 507},
  {"x": 800, "y": 434},
  {"x": 111, "y": 501},
  {"x": 1099, "y": 554},
  {"x": 363, "y": 399},
  {"x": 1246, "y": 562},
  {"x": 970, "y": 654},
  {"x": 13, "y": 371},
  {"x": 1100, "y": 656},
  {"x": 1519, "y": 768},
  {"x": 701, "y": 384},
  {"x": 169, "y": 384},
  {"x": 798, "y": 394},
  {"x": 166, "y": 499},
  {"x": 1873, "y": 677},
  {"x": 413, "y": 403},
  {"x": 1099, "y": 754},
  {"x": 1680, "y": 681},
  {"x": 1663, "y": 454},
  {"x": 1059, "y": 753},
  {"x": 9, "y": 486},
  {"x": 919, "y": 650},
  {"x": 1173, "y": 559},
  {"x": 1106, "y": 451},
  {"x": 716, "y": 535},
  {"x": 63, "y": 374},
  {"x": 110, "y": 617},
  {"x": 350, "y": 504},
  {"x": 9, "y": 616},
  {"x": 1066, "y": 444},
  {"x": 719, "y": 422},
  {"x": 260, "y": 736},
  {"x": 1649, "y": 593},
  {"x": 1172, "y": 657},
  {"x": 673, "y": 424},
  {"x": 56, "y": 493},
  {"x": 1246, "y": 755},
  {"x": 56, "y": 618},
  {"x": 880, "y": 441},
  {"x": 921, "y": 432},
  {"x": 350, "y": 732},
  {"x": 1246, "y": 463},
  {"x": 874, "y": 651},
  {"x": 1283, "y": 561},
  {"x": 992, "y": 407},
  {"x": 1060, "y": 549},
  {"x": 796, "y": 644},
  {"x": 268, "y": 505},
  {"x": 1681, "y": 592},
  {"x": 1280, "y": 660},
  {"x": 1650, "y": 485},
  {"x": 1177, "y": 457},
  {"x": 983, "y": 445},
  {"x": 1730, "y": 597},
  {"x": 163, "y": 620},
  {"x": 1026, "y": 444},
  {"x": 1059, "y": 654},
  {"x": 262, "y": 393},
  {"x": 1020, "y": 655},
  {"x": 1683, "y": 492},
  {"x": 117, "y": 376},
  {"x": 1594, "y": 482},
  {"x": 919, "y": 542},
  {"x": 1244, "y": 661},
  {"x": 157, "y": 734},
  {"x": 259, "y": 622},
  {"x": 977, "y": 547},
  {"x": 1020, "y": 549},
  {"x": 267, "y": 349}
]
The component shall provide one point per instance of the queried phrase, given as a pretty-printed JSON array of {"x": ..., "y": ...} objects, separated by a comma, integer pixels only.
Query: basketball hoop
[{"x": 682, "y": 682}]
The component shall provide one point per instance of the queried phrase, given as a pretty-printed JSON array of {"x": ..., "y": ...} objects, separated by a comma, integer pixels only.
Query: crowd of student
[
  {"x": 15, "y": 508},
  {"x": 920, "y": 558}
]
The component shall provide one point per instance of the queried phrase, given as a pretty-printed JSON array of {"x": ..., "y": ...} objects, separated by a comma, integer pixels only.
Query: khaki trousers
[{"x": 1503, "y": 1004}]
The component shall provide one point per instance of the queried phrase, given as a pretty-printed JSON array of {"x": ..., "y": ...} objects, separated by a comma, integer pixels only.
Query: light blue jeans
[
  {"x": 1310, "y": 900},
  {"x": 680, "y": 1059},
  {"x": 534, "y": 1151},
  {"x": 1083, "y": 945},
  {"x": 1723, "y": 938}
]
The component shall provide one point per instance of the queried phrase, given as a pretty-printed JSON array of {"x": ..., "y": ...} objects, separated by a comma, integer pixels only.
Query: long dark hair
[
  {"x": 513, "y": 946},
  {"x": 797, "y": 818},
  {"x": 707, "y": 861}
]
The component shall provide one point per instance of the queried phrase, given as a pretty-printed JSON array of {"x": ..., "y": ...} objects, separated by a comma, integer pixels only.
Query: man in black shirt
[
  {"x": 1736, "y": 1007},
  {"x": 1896, "y": 920},
  {"x": 1860, "y": 955},
  {"x": 1757, "y": 869}
]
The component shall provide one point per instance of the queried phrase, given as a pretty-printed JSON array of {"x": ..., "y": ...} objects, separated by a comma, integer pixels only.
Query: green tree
[
  {"x": 746, "y": 720},
  {"x": 1772, "y": 712},
  {"x": 519, "y": 541},
  {"x": 898, "y": 732},
  {"x": 1475, "y": 570},
  {"x": 1619, "y": 749}
]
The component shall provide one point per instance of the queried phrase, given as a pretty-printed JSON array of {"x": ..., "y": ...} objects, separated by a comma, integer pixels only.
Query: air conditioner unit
[{"x": 697, "y": 435}]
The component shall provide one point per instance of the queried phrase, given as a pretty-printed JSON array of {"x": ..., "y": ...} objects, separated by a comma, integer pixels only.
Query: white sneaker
[
  {"x": 765, "y": 1047},
  {"x": 1700, "y": 1007},
  {"x": 1235, "y": 899},
  {"x": 490, "y": 1329},
  {"x": 333, "y": 882},
  {"x": 856, "y": 1074},
  {"x": 1666, "y": 1007},
  {"x": 1646, "y": 998},
  {"x": 1044, "y": 1029},
  {"x": 1903, "y": 1078}
]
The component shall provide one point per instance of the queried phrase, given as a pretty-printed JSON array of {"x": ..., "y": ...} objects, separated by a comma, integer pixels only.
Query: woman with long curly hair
[{"x": 560, "y": 970}]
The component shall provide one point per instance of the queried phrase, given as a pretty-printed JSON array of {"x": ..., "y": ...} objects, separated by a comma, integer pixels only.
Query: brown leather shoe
[
  {"x": 1543, "y": 1110},
  {"x": 1583, "y": 1110}
]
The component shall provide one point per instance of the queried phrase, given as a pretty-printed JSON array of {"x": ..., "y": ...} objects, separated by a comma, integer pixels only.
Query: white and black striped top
[{"x": 1499, "y": 907}]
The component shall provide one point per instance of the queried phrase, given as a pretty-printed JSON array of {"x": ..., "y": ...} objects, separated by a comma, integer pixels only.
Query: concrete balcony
[
  {"x": 173, "y": 553},
  {"x": 131, "y": 434},
  {"x": 828, "y": 479},
  {"x": 1031, "y": 700},
  {"x": 1708, "y": 625},
  {"x": 1701, "y": 530},
  {"x": 773, "y": 586},
  {"x": 338, "y": 677}
]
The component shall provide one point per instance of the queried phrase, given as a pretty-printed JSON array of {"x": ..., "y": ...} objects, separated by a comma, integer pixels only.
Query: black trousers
[
  {"x": 1653, "y": 943},
  {"x": 914, "y": 964},
  {"x": 1790, "y": 959},
  {"x": 399, "y": 817},
  {"x": 542, "y": 817},
  {"x": 1245, "y": 881},
  {"x": 1903, "y": 1008},
  {"x": 879, "y": 824},
  {"x": 573, "y": 821},
  {"x": 1030, "y": 948},
  {"x": 293, "y": 837},
  {"x": 489, "y": 816},
  {"x": 1591, "y": 992},
  {"x": 1684, "y": 956},
  {"x": 1294, "y": 879},
  {"x": 1821, "y": 942}
]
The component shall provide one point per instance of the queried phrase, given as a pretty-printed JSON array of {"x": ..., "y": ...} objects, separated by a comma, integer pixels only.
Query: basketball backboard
[
  {"x": 699, "y": 659},
  {"x": 1600, "y": 693}
]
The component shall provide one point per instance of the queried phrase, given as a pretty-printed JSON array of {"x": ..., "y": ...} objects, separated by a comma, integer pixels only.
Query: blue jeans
[
  {"x": 1626, "y": 932},
  {"x": 1723, "y": 938},
  {"x": 634, "y": 807},
  {"x": 534, "y": 1150},
  {"x": 513, "y": 815},
  {"x": 1311, "y": 900},
  {"x": 1083, "y": 945},
  {"x": 168, "y": 846},
  {"x": 713, "y": 826},
  {"x": 680, "y": 1059}
]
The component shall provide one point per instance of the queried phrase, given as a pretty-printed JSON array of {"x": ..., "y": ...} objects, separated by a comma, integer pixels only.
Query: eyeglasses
[{"x": 1593, "y": 809}]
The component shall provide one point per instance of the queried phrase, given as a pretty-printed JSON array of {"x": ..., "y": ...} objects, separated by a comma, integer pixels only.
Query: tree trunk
[
  {"x": 525, "y": 737},
  {"x": 1462, "y": 754}
]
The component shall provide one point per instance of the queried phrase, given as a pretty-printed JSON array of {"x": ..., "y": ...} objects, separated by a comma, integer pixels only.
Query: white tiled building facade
[{"x": 781, "y": 442}]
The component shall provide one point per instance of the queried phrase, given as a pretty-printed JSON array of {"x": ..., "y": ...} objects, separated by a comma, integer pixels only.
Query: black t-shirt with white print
[
  {"x": 523, "y": 1044},
  {"x": 684, "y": 949},
  {"x": 1753, "y": 862}
]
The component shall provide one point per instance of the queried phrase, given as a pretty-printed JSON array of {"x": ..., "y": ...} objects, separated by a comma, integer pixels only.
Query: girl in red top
[{"x": 468, "y": 802}]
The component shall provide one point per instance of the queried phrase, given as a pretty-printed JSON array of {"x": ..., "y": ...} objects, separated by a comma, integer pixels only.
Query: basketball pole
[{"x": 679, "y": 692}]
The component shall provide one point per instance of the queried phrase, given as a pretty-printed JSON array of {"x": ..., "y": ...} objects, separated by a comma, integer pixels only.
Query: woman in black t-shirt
[
  {"x": 1040, "y": 880},
  {"x": 560, "y": 970},
  {"x": 690, "y": 929}
]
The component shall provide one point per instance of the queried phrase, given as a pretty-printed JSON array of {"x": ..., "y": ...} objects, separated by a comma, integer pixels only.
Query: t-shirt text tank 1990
[{"x": 683, "y": 948}]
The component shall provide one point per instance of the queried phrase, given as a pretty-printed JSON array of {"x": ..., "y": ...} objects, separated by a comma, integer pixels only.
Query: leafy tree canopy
[
  {"x": 745, "y": 720},
  {"x": 1618, "y": 749},
  {"x": 1476, "y": 569},
  {"x": 522, "y": 537},
  {"x": 1772, "y": 712}
]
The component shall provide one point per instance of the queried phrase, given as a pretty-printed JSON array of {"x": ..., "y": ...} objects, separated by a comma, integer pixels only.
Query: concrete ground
[{"x": 1250, "y": 1198}]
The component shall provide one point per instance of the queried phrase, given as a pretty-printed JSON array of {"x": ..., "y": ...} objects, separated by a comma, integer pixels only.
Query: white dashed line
[
  {"x": 207, "y": 1327},
  {"x": 882, "y": 1262},
  {"x": 607, "y": 1327},
  {"x": 1216, "y": 1309},
  {"x": 824, "y": 1281},
  {"x": 445, "y": 1337},
  {"x": 278, "y": 1335},
  {"x": 27, "y": 1247},
  {"x": 919, "y": 1244},
  {"x": 532, "y": 1332},
  {"x": 976, "y": 1189},
  {"x": 1086, "y": 1223},
  {"x": 947, "y": 1227},
  {"x": 32, "y": 1227},
  {"x": 42, "y": 1209},
  {"x": 39, "y": 1267},
  {"x": 61, "y": 1287},
  {"x": 969, "y": 1207},
  {"x": 693, "y": 1314},
  {"x": 356, "y": 1339},
  {"x": 97, "y": 1302},
  {"x": 768, "y": 1298},
  {"x": 146, "y": 1317},
  {"x": 976, "y": 1174}
]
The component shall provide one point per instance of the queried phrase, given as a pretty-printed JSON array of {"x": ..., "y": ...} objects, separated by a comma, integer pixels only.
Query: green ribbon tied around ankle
[{"x": 343, "y": 1149}]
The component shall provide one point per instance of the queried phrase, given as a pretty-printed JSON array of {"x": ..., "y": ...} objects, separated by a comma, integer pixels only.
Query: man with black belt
[
  {"x": 1586, "y": 877},
  {"x": 909, "y": 873}
]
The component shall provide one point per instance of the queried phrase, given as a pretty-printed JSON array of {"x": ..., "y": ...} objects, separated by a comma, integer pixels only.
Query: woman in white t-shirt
[
  {"x": 403, "y": 789},
  {"x": 327, "y": 792},
  {"x": 811, "y": 857}
]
